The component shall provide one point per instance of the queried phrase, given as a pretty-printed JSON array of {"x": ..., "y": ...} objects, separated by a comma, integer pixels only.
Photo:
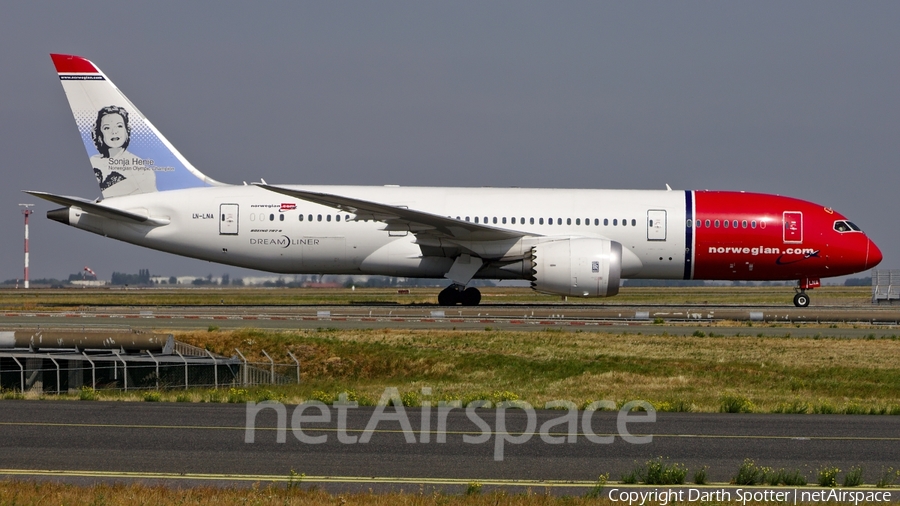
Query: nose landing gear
[
  {"x": 459, "y": 294},
  {"x": 801, "y": 299}
]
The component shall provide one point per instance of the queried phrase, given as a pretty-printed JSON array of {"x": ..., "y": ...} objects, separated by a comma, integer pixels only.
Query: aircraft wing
[
  {"x": 401, "y": 218},
  {"x": 99, "y": 209}
]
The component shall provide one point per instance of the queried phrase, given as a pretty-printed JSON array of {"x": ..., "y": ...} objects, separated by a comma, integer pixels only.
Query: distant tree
[
  {"x": 121, "y": 278},
  {"x": 226, "y": 280},
  {"x": 173, "y": 280},
  {"x": 237, "y": 282},
  {"x": 867, "y": 281}
]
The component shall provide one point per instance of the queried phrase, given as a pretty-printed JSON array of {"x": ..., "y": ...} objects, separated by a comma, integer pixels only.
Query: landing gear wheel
[
  {"x": 470, "y": 297},
  {"x": 449, "y": 296},
  {"x": 801, "y": 300}
]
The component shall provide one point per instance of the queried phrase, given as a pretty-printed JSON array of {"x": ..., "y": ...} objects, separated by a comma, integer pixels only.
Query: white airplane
[{"x": 565, "y": 241}]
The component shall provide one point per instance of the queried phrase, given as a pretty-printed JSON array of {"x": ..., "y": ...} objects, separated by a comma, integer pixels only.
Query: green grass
[
  {"x": 827, "y": 476},
  {"x": 735, "y": 374}
]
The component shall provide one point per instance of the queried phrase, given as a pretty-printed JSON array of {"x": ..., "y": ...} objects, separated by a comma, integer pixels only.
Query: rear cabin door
[
  {"x": 228, "y": 219},
  {"x": 656, "y": 225},
  {"x": 793, "y": 227}
]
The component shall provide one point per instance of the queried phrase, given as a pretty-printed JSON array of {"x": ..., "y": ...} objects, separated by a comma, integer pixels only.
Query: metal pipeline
[{"x": 127, "y": 341}]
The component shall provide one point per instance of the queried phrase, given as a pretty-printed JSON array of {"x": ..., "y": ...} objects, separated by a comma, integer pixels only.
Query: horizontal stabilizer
[{"x": 99, "y": 209}]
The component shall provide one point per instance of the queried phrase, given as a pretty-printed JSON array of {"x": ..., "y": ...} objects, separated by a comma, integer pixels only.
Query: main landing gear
[
  {"x": 459, "y": 294},
  {"x": 801, "y": 299}
]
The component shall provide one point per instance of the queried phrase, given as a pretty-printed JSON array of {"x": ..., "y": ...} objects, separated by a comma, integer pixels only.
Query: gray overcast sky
[{"x": 796, "y": 98}]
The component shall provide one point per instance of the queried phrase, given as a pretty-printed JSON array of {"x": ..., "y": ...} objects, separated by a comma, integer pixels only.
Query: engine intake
[{"x": 581, "y": 267}]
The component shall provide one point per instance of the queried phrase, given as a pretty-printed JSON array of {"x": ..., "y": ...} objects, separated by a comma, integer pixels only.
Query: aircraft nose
[{"x": 873, "y": 255}]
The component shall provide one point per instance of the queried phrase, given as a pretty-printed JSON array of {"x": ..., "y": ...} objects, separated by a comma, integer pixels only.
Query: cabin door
[
  {"x": 793, "y": 227},
  {"x": 228, "y": 219},
  {"x": 656, "y": 225}
]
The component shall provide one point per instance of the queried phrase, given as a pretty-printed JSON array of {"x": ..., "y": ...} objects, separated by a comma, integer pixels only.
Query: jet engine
[{"x": 581, "y": 267}]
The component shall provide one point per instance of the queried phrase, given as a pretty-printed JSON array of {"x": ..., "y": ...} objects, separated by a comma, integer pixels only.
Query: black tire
[
  {"x": 471, "y": 297},
  {"x": 801, "y": 300},
  {"x": 448, "y": 297}
]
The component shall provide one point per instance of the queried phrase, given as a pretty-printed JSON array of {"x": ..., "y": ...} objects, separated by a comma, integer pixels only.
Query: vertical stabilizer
[{"x": 127, "y": 153}]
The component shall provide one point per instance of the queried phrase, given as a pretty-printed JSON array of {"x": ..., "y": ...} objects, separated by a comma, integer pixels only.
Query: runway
[
  {"x": 676, "y": 320},
  {"x": 185, "y": 444}
]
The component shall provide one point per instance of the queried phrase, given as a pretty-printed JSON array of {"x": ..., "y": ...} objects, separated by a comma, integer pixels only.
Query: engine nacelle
[{"x": 580, "y": 267}]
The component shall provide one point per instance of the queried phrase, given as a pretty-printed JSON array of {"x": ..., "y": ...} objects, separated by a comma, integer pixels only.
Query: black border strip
[{"x": 688, "y": 232}]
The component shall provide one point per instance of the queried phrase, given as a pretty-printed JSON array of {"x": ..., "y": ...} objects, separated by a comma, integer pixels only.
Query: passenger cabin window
[
  {"x": 531, "y": 220},
  {"x": 319, "y": 217},
  {"x": 605, "y": 222},
  {"x": 495, "y": 220},
  {"x": 280, "y": 217},
  {"x": 541, "y": 221},
  {"x": 753, "y": 224},
  {"x": 476, "y": 219},
  {"x": 615, "y": 222},
  {"x": 271, "y": 217},
  {"x": 716, "y": 223},
  {"x": 568, "y": 221},
  {"x": 633, "y": 222},
  {"x": 504, "y": 220},
  {"x": 301, "y": 217},
  {"x": 597, "y": 222},
  {"x": 706, "y": 223},
  {"x": 725, "y": 223},
  {"x": 337, "y": 217},
  {"x": 328, "y": 217}
]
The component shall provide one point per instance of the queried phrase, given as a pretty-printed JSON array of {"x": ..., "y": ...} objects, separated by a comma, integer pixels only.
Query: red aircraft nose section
[{"x": 873, "y": 255}]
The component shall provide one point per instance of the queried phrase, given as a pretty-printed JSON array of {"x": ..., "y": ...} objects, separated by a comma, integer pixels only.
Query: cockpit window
[{"x": 843, "y": 226}]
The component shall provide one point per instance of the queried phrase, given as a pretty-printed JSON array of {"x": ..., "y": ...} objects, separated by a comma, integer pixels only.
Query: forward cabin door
[
  {"x": 228, "y": 219},
  {"x": 656, "y": 225},
  {"x": 793, "y": 227}
]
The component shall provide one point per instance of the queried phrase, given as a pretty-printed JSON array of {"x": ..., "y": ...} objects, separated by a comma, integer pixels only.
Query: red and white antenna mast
[{"x": 27, "y": 212}]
